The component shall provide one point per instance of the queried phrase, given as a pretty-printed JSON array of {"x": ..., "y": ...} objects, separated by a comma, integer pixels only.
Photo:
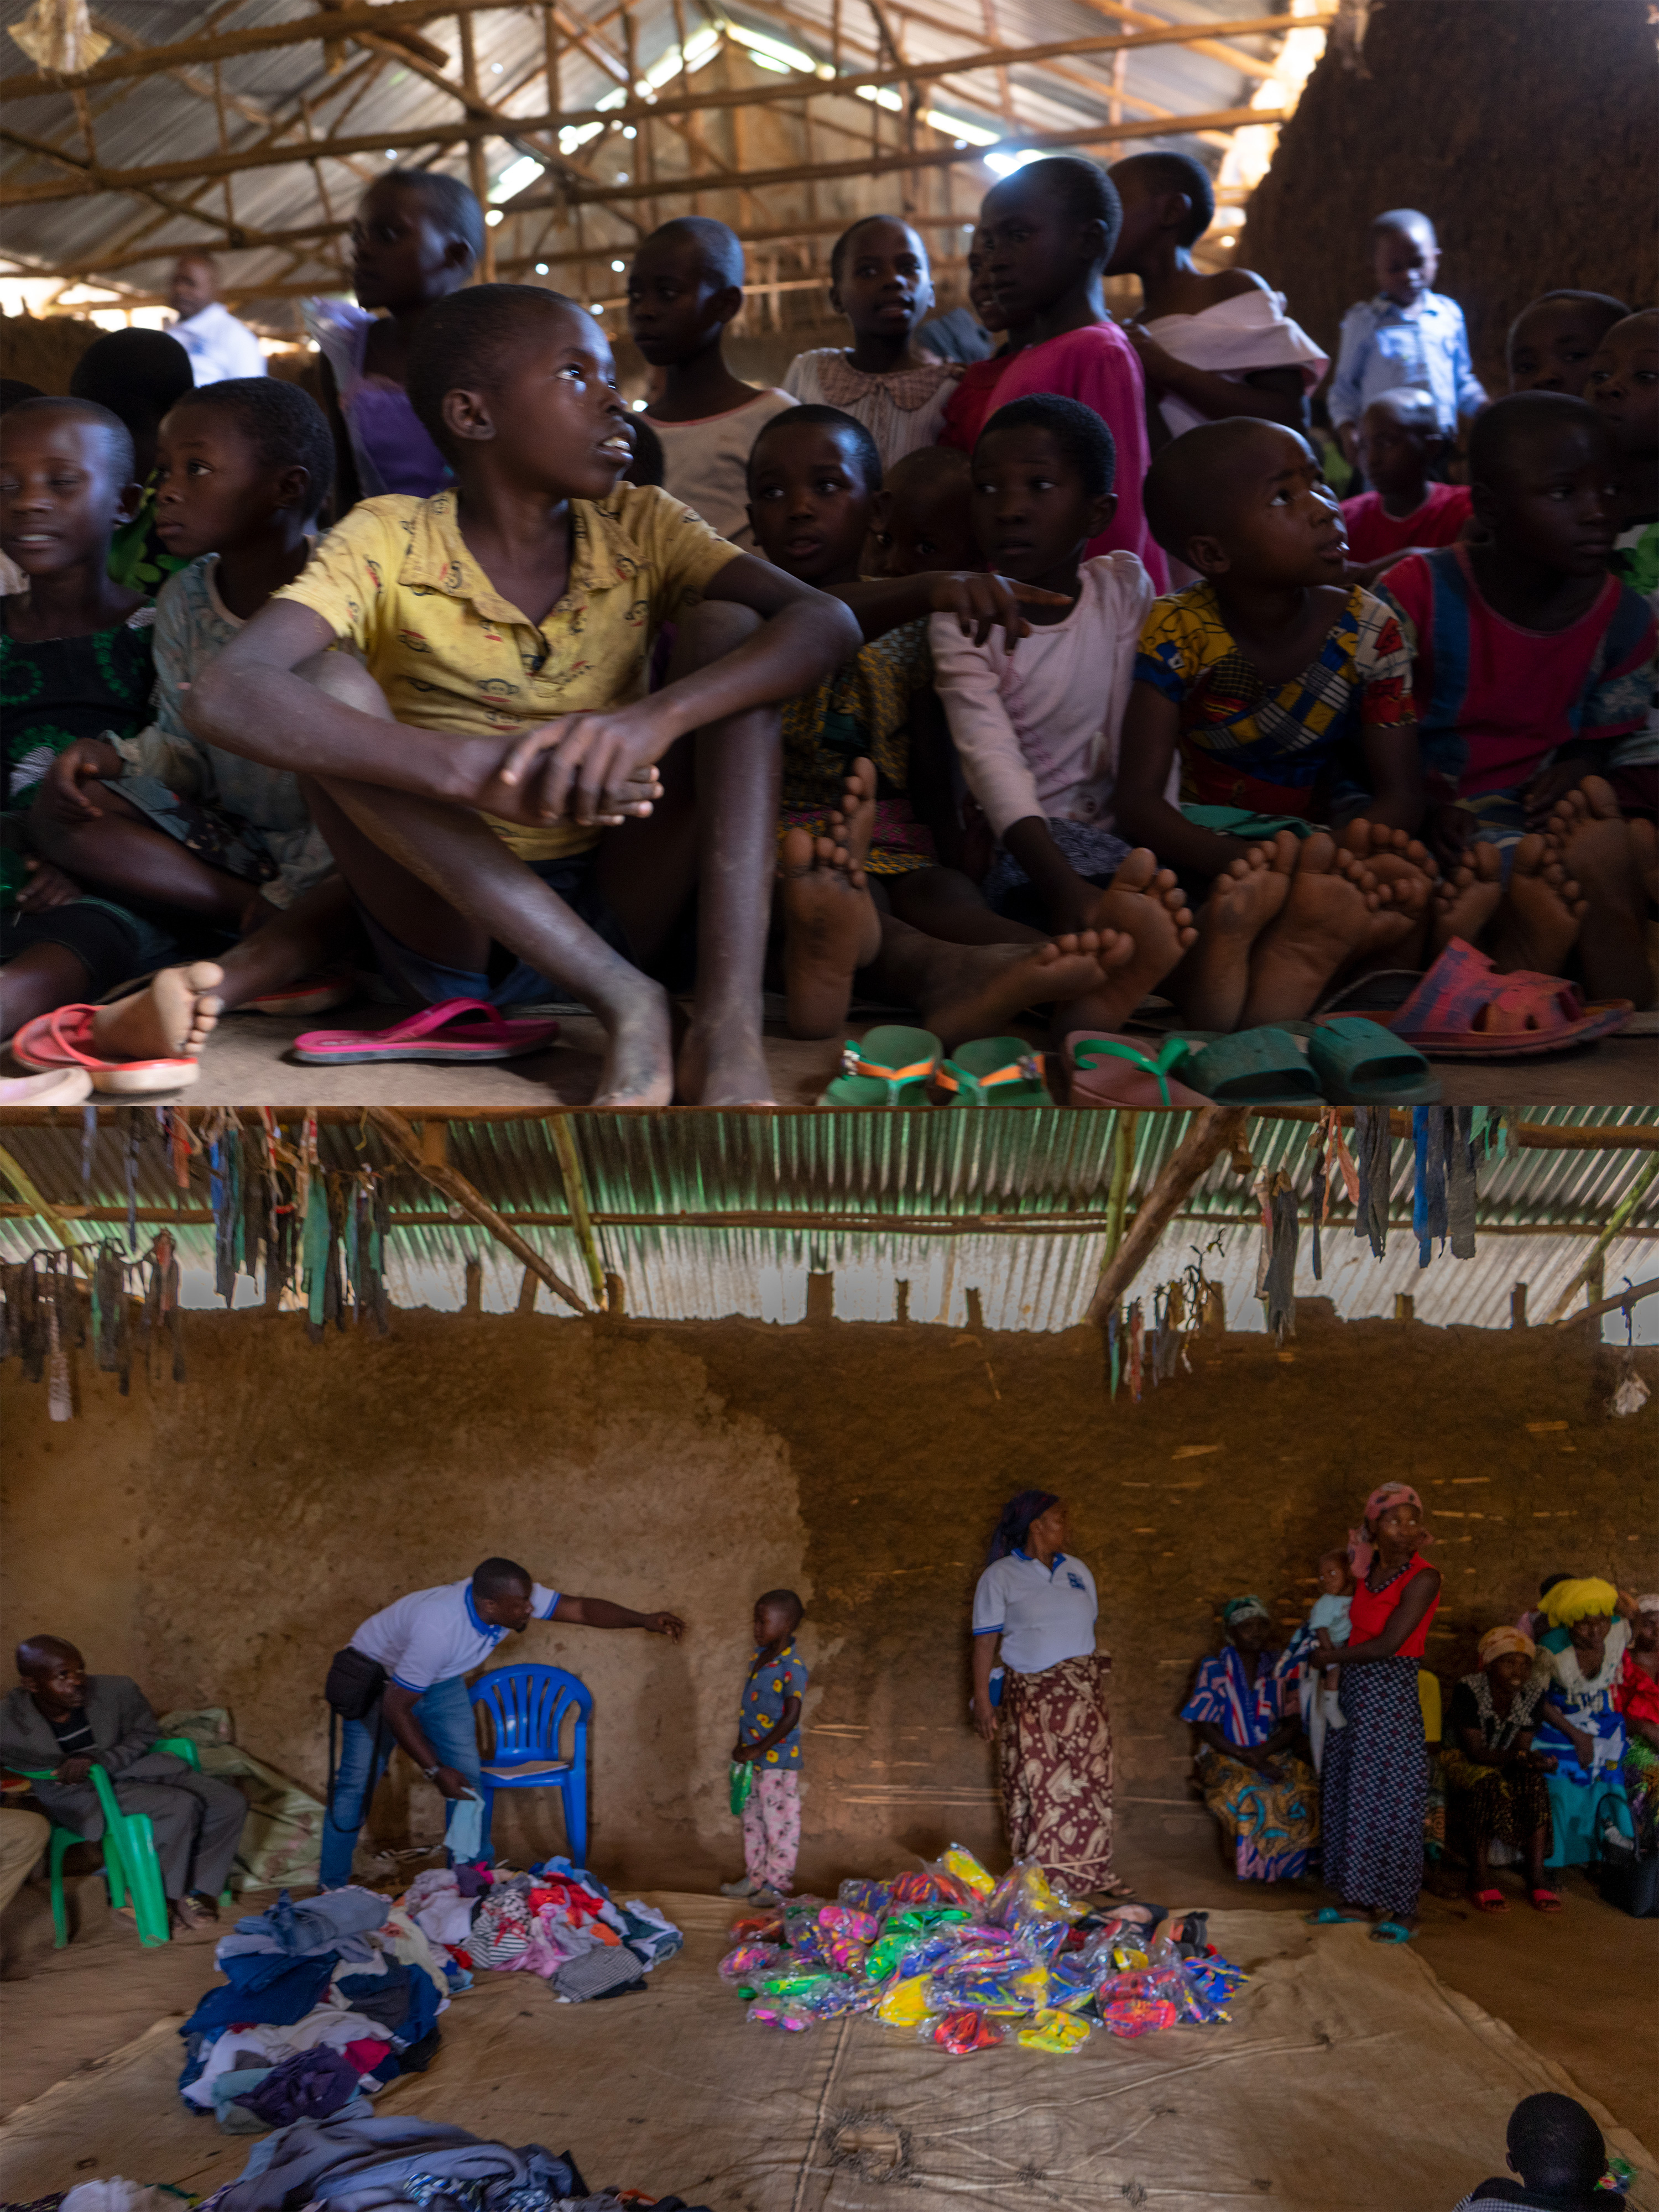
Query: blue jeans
[{"x": 445, "y": 1714}]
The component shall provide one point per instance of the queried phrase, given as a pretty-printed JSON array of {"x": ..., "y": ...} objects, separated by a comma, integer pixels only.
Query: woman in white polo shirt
[{"x": 1036, "y": 1604}]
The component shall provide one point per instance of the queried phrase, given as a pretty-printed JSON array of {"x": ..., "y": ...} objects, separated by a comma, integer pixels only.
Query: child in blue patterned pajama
[{"x": 768, "y": 1739}]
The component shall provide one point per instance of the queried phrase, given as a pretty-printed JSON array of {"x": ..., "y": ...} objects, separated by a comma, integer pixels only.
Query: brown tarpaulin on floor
[{"x": 1350, "y": 2076}]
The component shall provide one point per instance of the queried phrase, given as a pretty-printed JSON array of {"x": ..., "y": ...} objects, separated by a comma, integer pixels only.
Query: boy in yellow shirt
[{"x": 507, "y": 624}]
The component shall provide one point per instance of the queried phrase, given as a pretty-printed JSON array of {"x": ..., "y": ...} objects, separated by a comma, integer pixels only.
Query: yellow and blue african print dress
[
  {"x": 1274, "y": 748},
  {"x": 862, "y": 710}
]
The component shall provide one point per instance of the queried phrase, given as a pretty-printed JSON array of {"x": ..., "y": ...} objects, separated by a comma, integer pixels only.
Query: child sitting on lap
[
  {"x": 1406, "y": 511},
  {"x": 879, "y": 279},
  {"x": 1276, "y": 682},
  {"x": 867, "y": 771},
  {"x": 1530, "y": 661},
  {"x": 163, "y": 816},
  {"x": 508, "y": 623},
  {"x": 685, "y": 286}
]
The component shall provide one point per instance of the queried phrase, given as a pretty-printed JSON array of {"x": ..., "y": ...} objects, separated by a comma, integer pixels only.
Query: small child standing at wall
[
  {"x": 768, "y": 1739},
  {"x": 1407, "y": 333}
]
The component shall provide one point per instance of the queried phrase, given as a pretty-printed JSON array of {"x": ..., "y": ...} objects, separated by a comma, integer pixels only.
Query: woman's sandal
[
  {"x": 60, "y": 1040},
  {"x": 1392, "y": 1931},
  {"x": 1116, "y": 1072},
  {"x": 1488, "y": 1900},
  {"x": 1545, "y": 1900},
  {"x": 453, "y": 1029},
  {"x": 994, "y": 1072},
  {"x": 888, "y": 1063}
]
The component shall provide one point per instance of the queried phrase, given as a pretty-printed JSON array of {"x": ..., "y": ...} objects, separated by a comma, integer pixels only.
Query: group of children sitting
[{"x": 979, "y": 692}]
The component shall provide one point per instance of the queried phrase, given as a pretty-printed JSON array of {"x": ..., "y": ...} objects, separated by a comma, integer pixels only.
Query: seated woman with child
[{"x": 1244, "y": 1711}]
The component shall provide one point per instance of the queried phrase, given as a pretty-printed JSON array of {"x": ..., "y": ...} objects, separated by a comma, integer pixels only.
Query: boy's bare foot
[
  {"x": 171, "y": 1018},
  {"x": 1598, "y": 848},
  {"x": 1466, "y": 900},
  {"x": 1210, "y": 982},
  {"x": 831, "y": 930},
  {"x": 1372, "y": 841},
  {"x": 1146, "y": 902},
  {"x": 1644, "y": 837},
  {"x": 1325, "y": 921},
  {"x": 1536, "y": 924},
  {"x": 1399, "y": 930},
  {"x": 976, "y": 990},
  {"x": 722, "y": 1062},
  {"x": 639, "y": 1054}
]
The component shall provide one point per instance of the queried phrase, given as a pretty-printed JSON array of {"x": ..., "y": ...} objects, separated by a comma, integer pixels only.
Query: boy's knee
[
  {"x": 347, "y": 680},
  {"x": 708, "y": 631}
]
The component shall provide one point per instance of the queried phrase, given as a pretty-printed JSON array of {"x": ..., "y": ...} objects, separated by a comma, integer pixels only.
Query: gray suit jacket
[{"x": 122, "y": 1730}]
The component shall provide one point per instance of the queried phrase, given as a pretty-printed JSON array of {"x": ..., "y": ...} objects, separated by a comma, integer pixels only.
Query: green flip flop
[
  {"x": 1360, "y": 1063},
  {"x": 995, "y": 1072},
  {"x": 883, "y": 1066},
  {"x": 1264, "y": 1066}
]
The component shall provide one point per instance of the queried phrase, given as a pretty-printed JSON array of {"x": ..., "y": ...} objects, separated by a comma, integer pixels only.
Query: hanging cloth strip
[
  {"x": 1461, "y": 1192},
  {"x": 1285, "y": 1235},
  {"x": 1429, "y": 1183},
  {"x": 1114, "y": 1347},
  {"x": 1137, "y": 1335},
  {"x": 1370, "y": 1139}
]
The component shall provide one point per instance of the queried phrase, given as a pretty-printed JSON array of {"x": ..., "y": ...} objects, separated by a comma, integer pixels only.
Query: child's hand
[
  {"x": 979, "y": 603},
  {"x": 1448, "y": 831},
  {"x": 89, "y": 760},
  {"x": 741, "y": 1755},
  {"x": 47, "y": 887},
  {"x": 566, "y": 769}
]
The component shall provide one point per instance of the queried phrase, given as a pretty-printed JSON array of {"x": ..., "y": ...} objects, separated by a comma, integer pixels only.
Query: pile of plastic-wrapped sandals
[{"x": 965, "y": 1962}]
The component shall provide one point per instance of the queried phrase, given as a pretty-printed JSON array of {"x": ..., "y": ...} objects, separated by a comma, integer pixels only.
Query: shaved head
[
  {"x": 1514, "y": 431},
  {"x": 1413, "y": 411},
  {"x": 1196, "y": 482},
  {"x": 114, "y": 440},
  {"x": 717, "y": 248}
]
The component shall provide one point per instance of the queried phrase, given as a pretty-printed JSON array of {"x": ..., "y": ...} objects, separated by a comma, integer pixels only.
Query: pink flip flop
[
  {"x": 63, "y": 1039},
  {"x": 1464, "y": 1009},
  {"x": 455, "y": 1030},
  {"x": 316, "y": 995}
]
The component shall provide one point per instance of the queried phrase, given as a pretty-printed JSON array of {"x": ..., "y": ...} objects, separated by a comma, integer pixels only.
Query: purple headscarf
[{"x": 1015, "y": 1526}]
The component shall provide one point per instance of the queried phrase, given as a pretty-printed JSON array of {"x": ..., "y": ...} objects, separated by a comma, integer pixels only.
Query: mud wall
[
  {"x": 219, "y": 1539},
  {"x": 1524, "y": 128}
]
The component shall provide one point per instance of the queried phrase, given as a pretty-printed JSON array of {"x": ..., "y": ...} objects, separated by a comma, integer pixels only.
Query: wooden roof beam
[{"x": 1214, "y": 1131}]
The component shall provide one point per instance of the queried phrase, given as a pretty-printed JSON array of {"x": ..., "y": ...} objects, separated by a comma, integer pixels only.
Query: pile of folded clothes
[
  {"x": 967, "y": 1962},
  {"x": 398, "y": 2164},
  {"x": 556, "y": 1921},
  {"x": 324, "y": 2004}
]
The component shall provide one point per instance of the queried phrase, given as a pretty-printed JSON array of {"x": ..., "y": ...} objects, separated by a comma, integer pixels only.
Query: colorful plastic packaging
[
  {"x": 905, "y": 2003},
  {"x": 1059, "y": 2032},
  {"x": 1138, "y": 2015},
  {"x": 961, "y": 2034},
  {"x": 961, "y": 1864},
  {"x": 751, "y": 1962},
  {"x": 781, "y": 2012},
  {"x": 864, "y": 1896},
  {"x": 842, "y": 1920},
  {"x": 846, "y": 1955}
]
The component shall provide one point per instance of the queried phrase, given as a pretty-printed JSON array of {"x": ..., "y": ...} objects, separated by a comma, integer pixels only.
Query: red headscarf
[{"x": 1361, "y": 1550}]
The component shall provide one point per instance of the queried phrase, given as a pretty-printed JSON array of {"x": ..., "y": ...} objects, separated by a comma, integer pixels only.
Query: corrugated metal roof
[
  {"x": 847, "y": 1186},
  {"x": 158, "y": 118}
]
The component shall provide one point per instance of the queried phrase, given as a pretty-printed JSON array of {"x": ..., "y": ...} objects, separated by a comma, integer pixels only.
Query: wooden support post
[
  {"x": 1518, "y": 1306},
  {"x": 820, "y": 1300},
  {"x": 616, "y": 1297},
  {"x": 528, "y": 1284},
  {"x": 1595, "y": 1278},
  {"x": 1213, "y": 1132},
  {"x": 1611, "y": 1305},
  {"x": 1123, "y": 1149},
  {"x": 1405, "y": 1306},
  {"x": 411, "y": 1150},
  {"x": 477, "y": 174},
  {"x": 1620, "y": 1214},
  {"x": 475, "y": 1286},
  {"x": 575, "y": 1197}
]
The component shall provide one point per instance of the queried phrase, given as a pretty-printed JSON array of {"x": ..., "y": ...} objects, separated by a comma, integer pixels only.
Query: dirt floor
[
  {"x": 248, "y": 1064},
  {"x": 103, "y": 1996}
]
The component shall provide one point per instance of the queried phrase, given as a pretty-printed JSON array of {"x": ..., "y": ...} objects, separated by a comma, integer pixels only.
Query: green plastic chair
[{"x": 130, "y": 1866}]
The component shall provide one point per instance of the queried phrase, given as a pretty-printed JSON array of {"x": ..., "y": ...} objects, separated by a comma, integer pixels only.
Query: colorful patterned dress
[
  {"x": 1272, "y": 1815},
  {"x": 863, "y": 709},
  {"x": 1375, "y": 1783},
  {"x": 1510, "y": 1803}
]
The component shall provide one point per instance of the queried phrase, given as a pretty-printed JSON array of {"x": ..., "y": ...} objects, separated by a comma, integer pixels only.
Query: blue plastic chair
[{"x": 527, "y": 1705}]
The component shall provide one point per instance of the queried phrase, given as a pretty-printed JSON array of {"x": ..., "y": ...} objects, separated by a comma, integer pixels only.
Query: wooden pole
[
  {"x": 401, "y": 1137},
  {"x": 1212, "y": 1133},
  {"x": 1611, "y": 1305},
  {"x": 1616, "y": 1220},
  {"x": 476, "y": 174},
  {"x": 575, "y": 1193}
]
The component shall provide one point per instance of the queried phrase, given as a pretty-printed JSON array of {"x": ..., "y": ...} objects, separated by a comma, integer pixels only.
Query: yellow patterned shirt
[{"x": 397, "y": 578}]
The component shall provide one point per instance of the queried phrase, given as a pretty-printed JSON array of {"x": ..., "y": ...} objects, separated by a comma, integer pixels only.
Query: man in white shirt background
[
  {"x": 425, "y": 1644},
  {"x": 218, "y": 345}
]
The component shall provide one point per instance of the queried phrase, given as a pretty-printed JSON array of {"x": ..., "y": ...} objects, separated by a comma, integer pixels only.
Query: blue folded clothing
[
  {"x": 330, "y": 1921},
  {"x": 279, "y": 2000}
]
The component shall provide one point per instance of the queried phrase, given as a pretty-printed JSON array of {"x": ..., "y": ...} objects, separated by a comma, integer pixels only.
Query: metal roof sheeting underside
[
  {"x": 158, "y": 118},
  {"x": 925, "y": 1166}
]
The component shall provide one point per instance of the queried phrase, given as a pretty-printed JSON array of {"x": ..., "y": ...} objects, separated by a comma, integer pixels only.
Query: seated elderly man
[{"x": 63, "y": 1719}]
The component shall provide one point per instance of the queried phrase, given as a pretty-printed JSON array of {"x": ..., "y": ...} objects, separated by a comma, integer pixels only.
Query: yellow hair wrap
[
  {"x": 1497, "y": 1640},
  {"x": 1577, "y": 1599}
]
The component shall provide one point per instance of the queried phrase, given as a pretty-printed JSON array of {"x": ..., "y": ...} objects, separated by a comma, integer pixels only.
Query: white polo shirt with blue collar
[
  {"x": 433, "y": 1635},
  {"x": 1042, "y": 1614}
]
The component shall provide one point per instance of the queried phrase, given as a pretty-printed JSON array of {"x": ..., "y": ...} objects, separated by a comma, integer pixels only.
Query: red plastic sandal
[
  {"x": 63, "y": 1039},
  {"x": 456, "y": 1030},
  {"x": 1545, "y": 1900},
  {"x": 1489, "y": 1900},
  {"x": 1464, "y": 1009}
]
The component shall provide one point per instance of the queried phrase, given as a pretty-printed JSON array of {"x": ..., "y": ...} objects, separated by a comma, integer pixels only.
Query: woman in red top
[
  {"x": 1639, "y": 1701},
  {"x": 1375, "y": 1783}
]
